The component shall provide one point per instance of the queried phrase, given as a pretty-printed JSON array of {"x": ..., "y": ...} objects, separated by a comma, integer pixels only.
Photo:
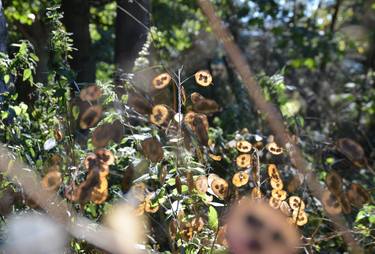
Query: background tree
[
  {"x": 3, "y": 43},
  {"x": 132, "y": 24},
  {"x": 77, "y": 21}
]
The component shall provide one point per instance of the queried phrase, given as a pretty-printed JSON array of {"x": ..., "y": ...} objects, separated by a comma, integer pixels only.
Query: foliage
[{"x": 301, "y": 48}]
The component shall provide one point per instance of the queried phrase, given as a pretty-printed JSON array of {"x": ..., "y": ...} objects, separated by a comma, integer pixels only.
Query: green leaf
[
  {"x": 34, "y": 57},
  {"x": 77, "y": 246},
  {"x": 213, "y": 221},
  {"x": 290, "y": 108},
  {"x": 75, "y": 112},
  {"x": 4, "y": 114},
  {"x": 372, "y": 219},
  {"x": 6, "y": 78},
  {"x": 91, "y": 209},
  {"x": 26, "y": 74},
  {"x": 309, "y": 63},
  {"x": 300, "y": 121},
  {"x": 16, "y": 109},
  {"x": 23, "y": 107},
  {"x": 23, "y": 48},
  {"x": 296, "y": 63}
]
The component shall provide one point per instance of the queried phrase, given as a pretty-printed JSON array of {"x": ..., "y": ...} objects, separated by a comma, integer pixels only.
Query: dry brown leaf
[
  {"x": 90, "y": 117},
  {"x": 152, "y": 149},
  {"x": 330, "y": 203}
]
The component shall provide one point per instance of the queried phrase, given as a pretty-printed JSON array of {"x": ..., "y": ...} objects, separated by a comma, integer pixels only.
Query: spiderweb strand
[
  {"x": 132, "y": 16},
  {"x": 273, "y": 117}
]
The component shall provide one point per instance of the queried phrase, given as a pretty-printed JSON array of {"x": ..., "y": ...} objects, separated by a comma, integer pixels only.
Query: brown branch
[{"x": 271, "y": 114}]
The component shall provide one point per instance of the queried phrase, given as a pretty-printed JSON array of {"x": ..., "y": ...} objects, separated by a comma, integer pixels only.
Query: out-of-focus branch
[
  {"x": 271, "y": 114},
  {"x": 57, "y": 208}
]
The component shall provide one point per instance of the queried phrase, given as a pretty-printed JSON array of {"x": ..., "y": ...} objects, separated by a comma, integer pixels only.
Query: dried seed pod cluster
[
  {"x": 95, "y": 187},
  {"x": 90, "y": 93},
  {"x": 203, "y": 105},
  {"x": 90, "y": 111},
  {"x": 195, "y": 120},
  {"x": 195, "y": 125},
  {"x": 218, "y": 186},
  {"x": 152, "y": 149},
  {"x": 339, "y": 196},
  {"x": 179, "y": 183},
  {"x": 203, "y": 78},
  {"x": 295, "y": 208},
  {"x": 240, "y": 178},
  {"x": 52, "y": 180},
  {"x": 299, "y": 215},
  {"x": 145, "y": 199},
  {"x": 106, "y": 133},
  {"x": 244, "y": 160},
  {"x": 215, "y": 157},
  {"x": 161, "y": 81},
  {"x": 358, "y": 195},
  {"x": 335, "y": 200},
  {"x": 198, "y": 123},
  {"x": 184, "y": 228},
  {"x": 159, "y": 114},
  {"x": 274, "y": 149},
  {"x": 212, "y": 184},
  {"x": 90, "y": 116},
  {"x": 352, "y": 151},
  {"x": 201, "y": 184}
]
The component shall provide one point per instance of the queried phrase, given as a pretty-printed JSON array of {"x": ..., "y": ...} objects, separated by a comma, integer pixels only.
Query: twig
[{"x": 214, "y": 241}]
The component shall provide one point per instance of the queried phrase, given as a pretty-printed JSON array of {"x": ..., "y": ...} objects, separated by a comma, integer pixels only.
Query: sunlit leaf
[{"x": 213, "y": 221}]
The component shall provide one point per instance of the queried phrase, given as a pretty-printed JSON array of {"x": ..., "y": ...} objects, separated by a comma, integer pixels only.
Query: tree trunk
[
  {"x": 131, "y": 31},
  {"x": 3, "y": 30},
  {"x": 76, "y": 20},
  {"x": 37, "y": 34},
  {"x": 3, "y": 44}
]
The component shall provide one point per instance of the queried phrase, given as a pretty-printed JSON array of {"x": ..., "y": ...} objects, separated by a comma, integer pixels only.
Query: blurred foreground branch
[{"x": 58, "y": 209}]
